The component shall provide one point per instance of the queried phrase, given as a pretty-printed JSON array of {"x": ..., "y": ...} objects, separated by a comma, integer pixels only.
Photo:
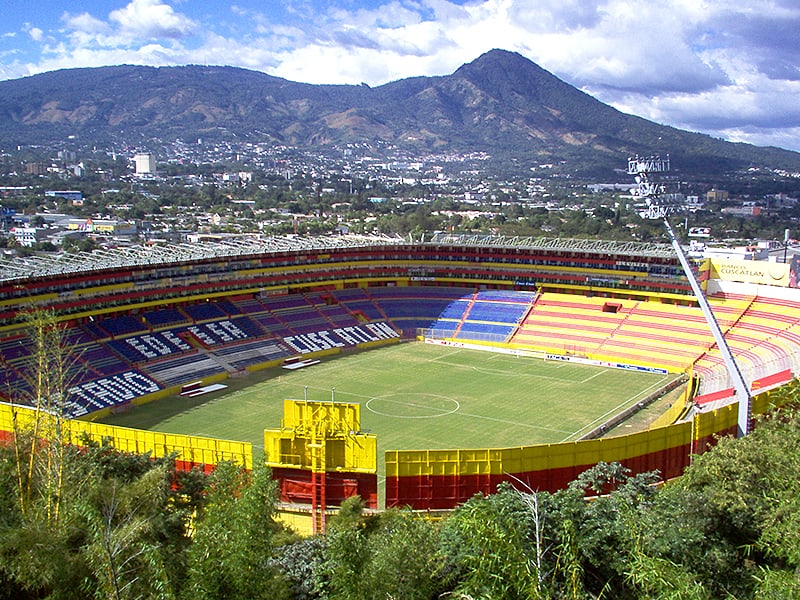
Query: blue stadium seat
[
  {"x": 166, "y": 317},
  {"x": 101, "y": 360},
  {"x": 205, "y": 311},
  {"x": 497, "y": 312},
  {"x": 249, "y": 306},
  {"x": 122, "y": 325},
  {"x": 474, "y": 331}
]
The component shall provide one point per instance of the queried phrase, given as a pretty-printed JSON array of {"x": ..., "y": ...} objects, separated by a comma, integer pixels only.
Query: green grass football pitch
[{"x": 416, "y": 396}]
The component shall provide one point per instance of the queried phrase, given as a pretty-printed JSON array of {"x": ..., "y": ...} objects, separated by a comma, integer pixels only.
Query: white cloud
[
  {"x": 766, "y": 104},
  {"x": 12, "y": 69},
  {"x": 36, "y": 34},
  {"x": 85, "y": 22},
  {"x": 151, "y": 19},
  {"x": 784, "y": 137}
]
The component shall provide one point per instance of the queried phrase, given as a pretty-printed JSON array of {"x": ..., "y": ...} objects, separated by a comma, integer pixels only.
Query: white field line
[
  {"x": 442, "y": 359},
  {"x": 616, "y": 409}
]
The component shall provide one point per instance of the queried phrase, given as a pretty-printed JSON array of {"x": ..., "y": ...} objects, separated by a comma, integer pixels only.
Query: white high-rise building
[{"x": 145, "y": 163}]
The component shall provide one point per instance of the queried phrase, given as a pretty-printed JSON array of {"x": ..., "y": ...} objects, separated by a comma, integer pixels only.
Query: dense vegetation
[
  {"x": 110, "y": 525},
  {"x": 97, "y": 523}
]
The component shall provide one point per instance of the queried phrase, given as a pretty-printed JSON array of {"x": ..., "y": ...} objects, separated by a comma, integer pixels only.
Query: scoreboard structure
[{"x": 320, "y": 456}]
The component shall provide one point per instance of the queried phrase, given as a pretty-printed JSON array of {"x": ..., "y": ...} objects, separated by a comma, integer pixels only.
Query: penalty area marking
[
  {"x": 448, "y": 405},
  {"x": 621, "y": 406}
]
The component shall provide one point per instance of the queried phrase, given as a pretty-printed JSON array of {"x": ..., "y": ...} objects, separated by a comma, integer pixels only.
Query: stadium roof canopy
[
  {"x": 635, "y": 249},
  {"x": 143, "y": 255}
]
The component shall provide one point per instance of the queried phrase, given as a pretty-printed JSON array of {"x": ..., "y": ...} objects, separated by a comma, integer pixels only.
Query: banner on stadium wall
[
  {"x": 556, "y": 357},
  {"x": 604, "y": 363},
  {"x": 758, "y": 272},
  {"x": 491, "y": 347}
]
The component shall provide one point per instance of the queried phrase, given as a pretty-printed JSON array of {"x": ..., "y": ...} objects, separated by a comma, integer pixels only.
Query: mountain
[{"x": 501, "y": 103}]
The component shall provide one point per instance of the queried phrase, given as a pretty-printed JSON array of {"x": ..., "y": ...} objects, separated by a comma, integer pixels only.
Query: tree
[
  {"x": 391, "y": 555},
  {"x": 121, "y": 547},
  {"x": 39, "y": 441},
  {"x": 347, "y": 553},
  {"x": 80, "y": 520},
  {"x": 115, "y": 536},
  {"x": 403, "y": 558},
  {"x": 75, "y": 245},
  {"x": 590, "y": 539},
  {"x": 730, "y": 522},
  {"x": 235, "y": 537},
  {"x": 303, "y": 565},
  {"x": 488, "y": 548}
]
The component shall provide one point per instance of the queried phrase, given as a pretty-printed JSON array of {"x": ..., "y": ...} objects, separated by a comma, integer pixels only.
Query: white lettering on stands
[
  {"x": 340, "y": 337},
  {"x": 382, "y": 330},
  {"x": 326, "y": 335},
  {"x": 179, "y": 343},
  {"x": 290, "y": 342},
  {"x": 345, "y": 336},
  {"x": 108, "y": 391},
  {"x": 149, "y": 346}
]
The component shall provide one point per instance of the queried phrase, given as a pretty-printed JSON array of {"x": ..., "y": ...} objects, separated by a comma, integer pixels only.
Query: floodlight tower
[{"x": 660, "y": 204}]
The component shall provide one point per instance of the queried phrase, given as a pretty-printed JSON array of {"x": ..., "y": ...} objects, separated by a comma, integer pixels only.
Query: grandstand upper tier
[{"x": 111, "y": 280}]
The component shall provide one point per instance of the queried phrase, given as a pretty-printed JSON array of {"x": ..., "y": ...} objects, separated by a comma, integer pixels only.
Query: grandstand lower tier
[{"x": 114, "y": 360}]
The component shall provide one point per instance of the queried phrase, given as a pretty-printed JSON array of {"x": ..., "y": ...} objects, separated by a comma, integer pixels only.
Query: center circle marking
[{"x": 431, "y": 405}]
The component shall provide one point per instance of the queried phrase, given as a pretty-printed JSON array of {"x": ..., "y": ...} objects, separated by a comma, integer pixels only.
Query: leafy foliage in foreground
[{"x": 131, "y": 527}]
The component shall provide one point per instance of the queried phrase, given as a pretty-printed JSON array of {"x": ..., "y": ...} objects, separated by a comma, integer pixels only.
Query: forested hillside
[{"x": 501, "y": 104}]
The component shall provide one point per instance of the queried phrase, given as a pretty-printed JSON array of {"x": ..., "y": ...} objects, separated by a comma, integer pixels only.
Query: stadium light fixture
[{"x": 660, "y": 204}]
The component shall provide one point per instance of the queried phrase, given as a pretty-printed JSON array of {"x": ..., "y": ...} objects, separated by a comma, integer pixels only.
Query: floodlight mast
[{"x": 659, "y": 205}]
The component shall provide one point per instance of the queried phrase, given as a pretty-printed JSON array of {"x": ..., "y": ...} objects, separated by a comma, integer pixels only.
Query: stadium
[{"x": 144, "y": 325}]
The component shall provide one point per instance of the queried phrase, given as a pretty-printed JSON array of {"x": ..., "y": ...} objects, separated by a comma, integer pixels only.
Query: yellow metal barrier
[{"x": 188, "y": 448}]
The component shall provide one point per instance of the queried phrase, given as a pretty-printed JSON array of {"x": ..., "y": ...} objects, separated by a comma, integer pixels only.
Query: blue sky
[{"x": 729, "y": 68}]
